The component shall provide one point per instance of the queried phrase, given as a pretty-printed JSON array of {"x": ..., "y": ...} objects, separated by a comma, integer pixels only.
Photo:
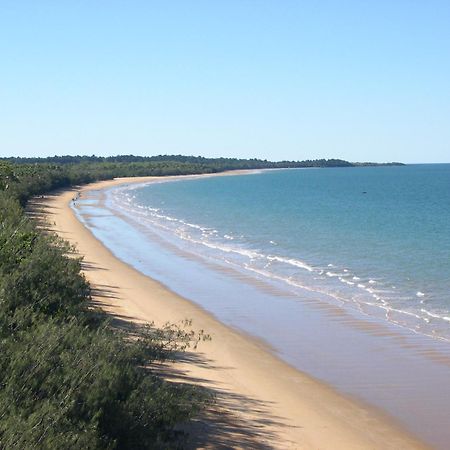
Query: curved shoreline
[{"x": 266, "y": 402}]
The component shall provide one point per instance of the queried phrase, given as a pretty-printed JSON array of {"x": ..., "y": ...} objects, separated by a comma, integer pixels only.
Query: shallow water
[{"x": 344, "y": 285}]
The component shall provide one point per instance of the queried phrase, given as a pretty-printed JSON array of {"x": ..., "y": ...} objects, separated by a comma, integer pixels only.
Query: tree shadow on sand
[
  {"x": 230, "y": 420},
  {"x": 225, "y": 423}
]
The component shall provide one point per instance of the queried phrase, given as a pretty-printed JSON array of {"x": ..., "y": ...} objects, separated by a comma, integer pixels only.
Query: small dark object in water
[{"x": 364, "y": 192}]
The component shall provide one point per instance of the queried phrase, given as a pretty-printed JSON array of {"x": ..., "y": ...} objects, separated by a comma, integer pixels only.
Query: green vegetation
[
  {"x": 182, "y": 162},
  {"x": 210, "y": 164},
  {"x": 68, "y": 379}
]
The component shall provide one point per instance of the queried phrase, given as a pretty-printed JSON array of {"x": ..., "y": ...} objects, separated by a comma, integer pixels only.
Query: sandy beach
[{"x": 262, "y": 402}]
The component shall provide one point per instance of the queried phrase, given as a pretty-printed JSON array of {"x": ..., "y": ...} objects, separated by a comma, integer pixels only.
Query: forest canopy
[{"x": 218, "y": 164}]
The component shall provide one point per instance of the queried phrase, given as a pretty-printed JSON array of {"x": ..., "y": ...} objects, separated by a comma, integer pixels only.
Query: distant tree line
[
  {"x": 217, "y": 163},
  {"x": 213, "y": 164}
]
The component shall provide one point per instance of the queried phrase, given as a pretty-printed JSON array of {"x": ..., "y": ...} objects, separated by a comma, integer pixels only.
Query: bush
[
  {"x": 67, "y": 378},
  {"x": 69, "y": 386}
]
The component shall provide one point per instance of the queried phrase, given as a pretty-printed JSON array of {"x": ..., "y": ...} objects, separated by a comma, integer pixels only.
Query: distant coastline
[
  {"x": 209, "y": 164},
  {"x": 374, "y": 164}
]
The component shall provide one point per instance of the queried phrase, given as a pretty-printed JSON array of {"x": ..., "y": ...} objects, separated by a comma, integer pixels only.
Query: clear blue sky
[{"x": 359, "y": 80}]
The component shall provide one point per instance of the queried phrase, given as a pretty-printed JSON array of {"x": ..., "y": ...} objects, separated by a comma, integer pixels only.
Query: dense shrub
[
  {"x": 67, "y": 378},
  {"x": 70, "y": 386}
]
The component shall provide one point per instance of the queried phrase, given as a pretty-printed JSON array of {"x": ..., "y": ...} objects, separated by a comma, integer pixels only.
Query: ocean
[{"x": 344, "y": 272}]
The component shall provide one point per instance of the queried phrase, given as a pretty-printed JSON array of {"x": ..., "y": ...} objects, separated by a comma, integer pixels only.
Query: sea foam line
[{"x": 256, "y": 255}]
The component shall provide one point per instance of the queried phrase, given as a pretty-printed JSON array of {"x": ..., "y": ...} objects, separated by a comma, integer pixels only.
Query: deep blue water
[{"x": 364, "y": 237}]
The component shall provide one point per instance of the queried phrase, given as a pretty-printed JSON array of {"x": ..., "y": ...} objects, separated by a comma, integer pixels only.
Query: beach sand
[{"x": 262, "y": 402}]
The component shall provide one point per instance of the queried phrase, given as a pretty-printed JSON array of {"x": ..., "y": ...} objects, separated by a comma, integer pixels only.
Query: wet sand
[{"x": 262, "y": 402}]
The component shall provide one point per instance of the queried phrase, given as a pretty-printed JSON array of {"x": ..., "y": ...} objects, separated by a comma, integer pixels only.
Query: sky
[{"x": 359, "y": 80}]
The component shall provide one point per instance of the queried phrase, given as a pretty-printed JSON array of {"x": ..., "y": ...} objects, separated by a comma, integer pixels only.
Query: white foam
[
  {"x": 435, "y": 316},
  {"x": 193, "y": 225},
  {"x": 248, "y": 253},
  {"x": 291, "y": 261},
  {"x": 420, "y": 294},
  {"x": 341, "y": 276}
]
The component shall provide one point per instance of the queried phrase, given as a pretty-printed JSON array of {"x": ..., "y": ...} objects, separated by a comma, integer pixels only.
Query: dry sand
[{"x": 262, "y": 402}]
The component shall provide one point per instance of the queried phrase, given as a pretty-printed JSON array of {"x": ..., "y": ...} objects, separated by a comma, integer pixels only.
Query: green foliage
[
  {"x": 67, "y": 378},
  {"x": 6, "y": 175},
  {"x": 69, "y": 386},
  {"x": 186, "y": 162}
]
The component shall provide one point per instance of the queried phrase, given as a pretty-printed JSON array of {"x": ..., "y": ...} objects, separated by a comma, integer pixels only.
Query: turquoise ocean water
[
  {"x": 345, "y": 272},
  {"x": 372, "y": 238}
]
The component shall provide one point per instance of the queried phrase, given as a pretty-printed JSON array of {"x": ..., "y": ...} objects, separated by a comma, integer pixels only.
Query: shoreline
[{"x": 286, "y": 410}]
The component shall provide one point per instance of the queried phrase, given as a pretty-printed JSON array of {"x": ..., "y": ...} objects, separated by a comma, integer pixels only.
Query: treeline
[
  {"x": 33, "y": 176},
  {"x": 67, "y": 378},
  {"x": 214, "y": 164},
  {"x": 210, "y": 164},
  {"x": 27, "y": 180}
]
